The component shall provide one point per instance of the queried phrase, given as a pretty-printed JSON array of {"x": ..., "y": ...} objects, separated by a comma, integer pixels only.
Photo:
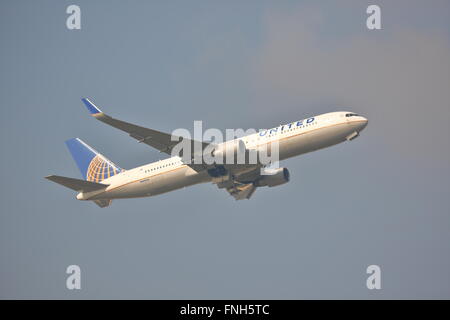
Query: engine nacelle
[{"x": 274, "y": 177}]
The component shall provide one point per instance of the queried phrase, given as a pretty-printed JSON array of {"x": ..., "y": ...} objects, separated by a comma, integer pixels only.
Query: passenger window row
[{"x": 163, "y": 166}]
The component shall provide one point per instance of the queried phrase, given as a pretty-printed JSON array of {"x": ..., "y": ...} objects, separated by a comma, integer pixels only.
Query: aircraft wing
[{"x": 161, "y": 141}]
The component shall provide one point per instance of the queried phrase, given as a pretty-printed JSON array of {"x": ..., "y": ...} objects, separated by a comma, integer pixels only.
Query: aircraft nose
[
  {"x": 363, "y": 123},
  {"x": 366, "y": 121}
]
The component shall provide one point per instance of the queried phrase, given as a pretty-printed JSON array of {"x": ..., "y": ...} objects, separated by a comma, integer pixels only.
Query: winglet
[{"x": 91, "y": 107}]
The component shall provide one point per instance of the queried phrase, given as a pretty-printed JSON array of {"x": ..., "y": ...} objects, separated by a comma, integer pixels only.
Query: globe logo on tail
[{"x": 100, "y": 169}]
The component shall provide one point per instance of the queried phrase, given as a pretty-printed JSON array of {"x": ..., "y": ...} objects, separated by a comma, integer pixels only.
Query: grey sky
[{"x": 381, "y": 199}]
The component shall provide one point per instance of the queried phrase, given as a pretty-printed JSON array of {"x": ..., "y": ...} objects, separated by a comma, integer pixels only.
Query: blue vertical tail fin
[{"x": 93, "y": 166}]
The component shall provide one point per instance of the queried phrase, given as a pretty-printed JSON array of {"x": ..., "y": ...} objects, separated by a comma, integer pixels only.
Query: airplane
[{"x": 105, "y": 181}]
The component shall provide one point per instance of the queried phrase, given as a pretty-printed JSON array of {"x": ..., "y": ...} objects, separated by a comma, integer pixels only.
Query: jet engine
[{"x": 273, "y": 177}]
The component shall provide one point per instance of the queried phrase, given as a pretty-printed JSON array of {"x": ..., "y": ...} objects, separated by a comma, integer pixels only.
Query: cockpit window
[{"x": 351, "y": 115}]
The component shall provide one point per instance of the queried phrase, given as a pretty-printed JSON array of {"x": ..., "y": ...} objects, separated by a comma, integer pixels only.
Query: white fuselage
[{"x": 293, "y": 139}]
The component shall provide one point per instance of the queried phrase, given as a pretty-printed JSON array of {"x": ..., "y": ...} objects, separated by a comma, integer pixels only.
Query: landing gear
[{"x": 352, "y": 136}]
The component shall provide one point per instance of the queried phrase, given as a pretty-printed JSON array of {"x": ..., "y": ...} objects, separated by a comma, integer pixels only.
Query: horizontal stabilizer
[{"x": 77, "y": 184}]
